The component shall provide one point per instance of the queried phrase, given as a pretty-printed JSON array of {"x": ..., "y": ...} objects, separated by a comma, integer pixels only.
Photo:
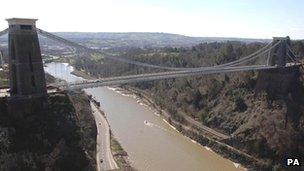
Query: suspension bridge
[
  {"x": 28, "y": 90},
  {"x": 274, "y": 55}
]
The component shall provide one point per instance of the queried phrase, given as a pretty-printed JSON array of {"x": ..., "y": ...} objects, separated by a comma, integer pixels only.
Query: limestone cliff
[{"x": 58, "y": 138}]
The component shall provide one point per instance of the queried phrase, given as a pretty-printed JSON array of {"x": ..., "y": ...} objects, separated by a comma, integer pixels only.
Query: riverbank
[
  {"x": 120, "y": 156},
  {"x": 117, "y": 153},
  {"x": 104, "y": 154},
  {"x": 198, "y": 135}
]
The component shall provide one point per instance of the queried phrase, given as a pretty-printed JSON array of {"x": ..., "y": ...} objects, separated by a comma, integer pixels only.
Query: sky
[{"x": 201, "y": 18}]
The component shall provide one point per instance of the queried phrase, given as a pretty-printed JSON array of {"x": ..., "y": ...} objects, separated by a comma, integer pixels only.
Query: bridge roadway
[{"x": 158, "y": 76}]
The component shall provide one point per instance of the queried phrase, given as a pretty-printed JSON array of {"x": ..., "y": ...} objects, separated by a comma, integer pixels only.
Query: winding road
[{"x": 103, "y": 148}]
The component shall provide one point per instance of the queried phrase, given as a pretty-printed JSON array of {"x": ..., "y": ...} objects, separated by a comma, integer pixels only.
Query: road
[{"x": 103, "y": 147}]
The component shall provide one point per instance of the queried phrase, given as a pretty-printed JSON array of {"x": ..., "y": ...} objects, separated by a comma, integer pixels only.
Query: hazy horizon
[
  {"x": 81, "y": 32},
  {"x": 234, "y": 19}
]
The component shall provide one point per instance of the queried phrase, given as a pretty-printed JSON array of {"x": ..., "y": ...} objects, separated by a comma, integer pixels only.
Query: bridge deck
[{"x": 158, "y": 76}]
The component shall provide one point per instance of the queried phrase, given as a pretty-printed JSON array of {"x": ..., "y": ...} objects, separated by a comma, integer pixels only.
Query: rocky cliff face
[
  {"x": 274, "y": 129},
  {"x": 58, "y": 138},
  {"x": 280, "y": 82}
]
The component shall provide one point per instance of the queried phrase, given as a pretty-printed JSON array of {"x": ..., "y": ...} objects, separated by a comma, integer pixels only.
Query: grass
[
  {"x": 119, "y": 153},
  {"x": 115, "y": 146}
]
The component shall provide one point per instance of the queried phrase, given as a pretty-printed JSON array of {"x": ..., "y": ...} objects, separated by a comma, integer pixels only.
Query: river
[{"x": 151, "y": 143}]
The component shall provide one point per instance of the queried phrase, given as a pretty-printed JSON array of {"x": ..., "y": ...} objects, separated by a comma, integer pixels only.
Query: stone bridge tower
[
  {"x": 278, "y": 55},
  {"x": 27, "y": 79}
]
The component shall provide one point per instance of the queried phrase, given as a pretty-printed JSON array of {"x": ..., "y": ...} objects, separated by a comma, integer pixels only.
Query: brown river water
[{"x": 152, "y": 144}]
